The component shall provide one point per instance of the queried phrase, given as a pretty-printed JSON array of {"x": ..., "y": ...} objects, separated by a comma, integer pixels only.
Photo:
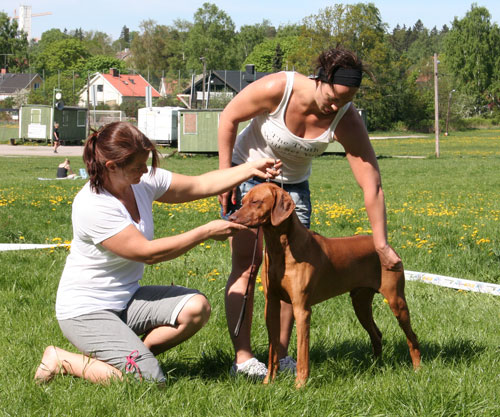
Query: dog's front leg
[
  {"x": 272, "y": 312},
  {"x": 302, "y": 321}
]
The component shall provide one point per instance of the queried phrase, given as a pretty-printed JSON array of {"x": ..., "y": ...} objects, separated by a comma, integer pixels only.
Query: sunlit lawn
[{"x": 443, "y": 217}]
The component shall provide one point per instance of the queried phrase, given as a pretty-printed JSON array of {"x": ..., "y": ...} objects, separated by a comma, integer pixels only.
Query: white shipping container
[{"x": 159, "y": 124}]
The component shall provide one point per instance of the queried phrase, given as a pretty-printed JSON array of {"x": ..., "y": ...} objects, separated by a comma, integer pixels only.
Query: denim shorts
[{"x": 299, "y": 192}]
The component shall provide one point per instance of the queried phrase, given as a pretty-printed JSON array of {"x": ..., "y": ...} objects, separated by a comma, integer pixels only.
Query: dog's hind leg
[
  {"x": 362, "y": 299},
  {"x": 399, "y": 307}
]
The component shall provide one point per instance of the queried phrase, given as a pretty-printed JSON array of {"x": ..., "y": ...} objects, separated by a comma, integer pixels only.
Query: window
[
  {"x": 190, "y": 123},
  {"x": 100, "y": 88},
  {"x": 81, "y": 118},
  {"x": 65, "y": 118},
  {"x": 36, "y": 86},
  {"x": 36, "y": 116}
]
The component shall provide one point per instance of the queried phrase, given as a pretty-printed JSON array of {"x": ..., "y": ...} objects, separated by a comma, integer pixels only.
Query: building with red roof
[{"x": 114, "y": 88}]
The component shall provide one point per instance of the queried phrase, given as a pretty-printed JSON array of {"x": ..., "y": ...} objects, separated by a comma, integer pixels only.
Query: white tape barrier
[
  {"x": 25, "y": 246},
  {"x": 450, "y": 282},
  {"x": 441, "y": 280}
]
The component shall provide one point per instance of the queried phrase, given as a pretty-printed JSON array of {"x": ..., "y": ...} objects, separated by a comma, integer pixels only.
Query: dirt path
[
  {"x": 44, "y": 150},
  {"x": 40, "y": 150}
]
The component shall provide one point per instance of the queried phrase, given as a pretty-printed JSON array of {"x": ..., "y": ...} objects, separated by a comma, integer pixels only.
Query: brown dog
[{"x": 304, "y": 268}]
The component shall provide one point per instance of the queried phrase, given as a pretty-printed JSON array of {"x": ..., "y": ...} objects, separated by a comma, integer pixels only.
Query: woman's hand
[
  {"x": 266, "y": 168},
  {"x": 389, "y": 259},
  {"x": 222, "y": 229},
  {"x": 226, "y": 199}
]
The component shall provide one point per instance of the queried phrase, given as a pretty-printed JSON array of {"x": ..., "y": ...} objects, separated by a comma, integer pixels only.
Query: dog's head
[{"x": 265, "y": 203}]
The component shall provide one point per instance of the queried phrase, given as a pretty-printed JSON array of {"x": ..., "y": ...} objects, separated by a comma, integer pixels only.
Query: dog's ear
[{"x": 283, "y": 207}]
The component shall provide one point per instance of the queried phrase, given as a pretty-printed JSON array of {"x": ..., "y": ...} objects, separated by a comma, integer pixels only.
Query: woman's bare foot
[{"x": 49, "y": 367}]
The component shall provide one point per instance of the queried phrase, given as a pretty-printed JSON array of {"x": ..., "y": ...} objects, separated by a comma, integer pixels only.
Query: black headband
[{"x": 350, "y": 77}]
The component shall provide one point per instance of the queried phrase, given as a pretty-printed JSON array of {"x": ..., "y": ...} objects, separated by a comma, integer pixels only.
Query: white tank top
[{"x": 268, "y": 137}]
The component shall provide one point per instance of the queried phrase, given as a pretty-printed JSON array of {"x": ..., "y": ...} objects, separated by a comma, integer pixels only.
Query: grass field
[{"x": 443, "y": 218}]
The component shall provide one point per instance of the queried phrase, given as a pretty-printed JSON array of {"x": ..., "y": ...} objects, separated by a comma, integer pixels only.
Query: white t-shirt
[
  {"x": 93, "y": 277},
  {"x": 268, "y": 137}
]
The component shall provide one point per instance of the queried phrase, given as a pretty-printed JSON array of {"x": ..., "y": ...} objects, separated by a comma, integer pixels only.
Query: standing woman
[
  {"x": 294, "y": 118},
  {"x": 56, "y": 139},
  {"x": 100, "y": 307}
]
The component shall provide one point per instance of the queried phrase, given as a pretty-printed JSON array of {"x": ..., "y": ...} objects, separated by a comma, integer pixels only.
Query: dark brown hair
[
  {"x": 119, "y": 142},
  {"x": 336, "y": 58}
]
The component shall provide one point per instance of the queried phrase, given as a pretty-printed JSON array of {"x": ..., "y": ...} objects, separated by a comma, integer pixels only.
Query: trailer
[
  {"x": 198, "y": 131},
  {"x": 72, "y": 124},
  {"x": 36, "y": 123},
  {"x": 159, "y": 124}
]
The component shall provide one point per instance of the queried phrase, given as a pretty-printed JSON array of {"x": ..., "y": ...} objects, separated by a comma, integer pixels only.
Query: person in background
[
  {"x": 294, "y": 118},
  {"x": 64, "y": 170},
  {"x": 116, "y": 324},
  {"x": 56, "y": 139}
]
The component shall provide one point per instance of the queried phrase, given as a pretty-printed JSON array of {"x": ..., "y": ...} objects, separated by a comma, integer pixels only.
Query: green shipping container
[
  {"x": 36, "y": 123},
  {"x": 198, "y": 132},
  {"x": 72, "y": 124}
]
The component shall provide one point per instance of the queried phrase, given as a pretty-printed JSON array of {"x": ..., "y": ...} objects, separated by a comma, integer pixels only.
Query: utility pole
[
  {"x": 203, "y": 59},
  {"x": 436, "y": 104}
]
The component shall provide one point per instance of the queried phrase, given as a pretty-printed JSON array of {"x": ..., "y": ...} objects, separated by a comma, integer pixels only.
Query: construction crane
[{"x": 24, "y": 18}]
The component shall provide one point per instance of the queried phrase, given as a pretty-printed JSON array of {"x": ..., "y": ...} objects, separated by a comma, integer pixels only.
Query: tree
[
  {"x": 250, "y": 36},
  {"x": 100, "y": 63},
  {"x": 13, "y": 45},
  {"x": 125, "y": 38},
  {"x": 78, "y": 34},
  {"x": 69, "y": 82},
  {"x": 471, "y": 51},
  {"x": 264, "y": 55},
  {"x": 357, "y": 27},
  {"x": 66, "y": 54},
  {"x": 212, "y": 37},
  {"x": 98, "y": 43},
  {"x": 50, "y": 36},
  {"x": 278, "y": 58},
  {"x": 158, "y": 48}
]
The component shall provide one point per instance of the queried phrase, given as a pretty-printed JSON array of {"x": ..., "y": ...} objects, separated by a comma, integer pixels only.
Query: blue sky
[{"x": 111, "y": 16}]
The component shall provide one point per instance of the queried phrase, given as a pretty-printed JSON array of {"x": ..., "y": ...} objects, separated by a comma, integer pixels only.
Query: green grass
[{"x": 443, "y": 217}]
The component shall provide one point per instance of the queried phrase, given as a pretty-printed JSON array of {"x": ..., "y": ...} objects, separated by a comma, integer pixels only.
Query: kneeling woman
[{"x": 100, "y": 306}]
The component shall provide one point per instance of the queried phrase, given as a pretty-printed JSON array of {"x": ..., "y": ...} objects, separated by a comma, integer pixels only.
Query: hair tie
[
  {"x": 350, "y": 77},
  {"x": 93, "y": 137}
]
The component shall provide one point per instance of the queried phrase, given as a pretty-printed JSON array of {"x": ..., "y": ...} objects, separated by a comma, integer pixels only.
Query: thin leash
[{"x": 245, "y": 297}]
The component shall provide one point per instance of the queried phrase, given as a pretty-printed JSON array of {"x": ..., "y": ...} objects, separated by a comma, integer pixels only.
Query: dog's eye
[{"x": 256, "y": 202}]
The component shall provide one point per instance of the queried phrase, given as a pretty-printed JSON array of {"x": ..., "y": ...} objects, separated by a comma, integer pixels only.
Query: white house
[{"x": 114, "y": 88}]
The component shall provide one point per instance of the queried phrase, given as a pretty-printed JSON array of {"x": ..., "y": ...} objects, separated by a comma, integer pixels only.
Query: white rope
[
  {"x": 450, "y": 282},
  {"x": 441, "y": 280},
  {"x": 26, "y": 246}
]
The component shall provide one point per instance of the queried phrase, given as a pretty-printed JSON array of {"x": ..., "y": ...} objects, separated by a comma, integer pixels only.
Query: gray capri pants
[{"x": 113, "y": 336}]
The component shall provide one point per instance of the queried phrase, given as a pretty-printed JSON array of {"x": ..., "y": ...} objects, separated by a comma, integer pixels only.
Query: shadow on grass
[
  {"x": 346, "y": 358},
  {"x": 394, "y": 355},
  {"x": 212, "y": 365}
]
